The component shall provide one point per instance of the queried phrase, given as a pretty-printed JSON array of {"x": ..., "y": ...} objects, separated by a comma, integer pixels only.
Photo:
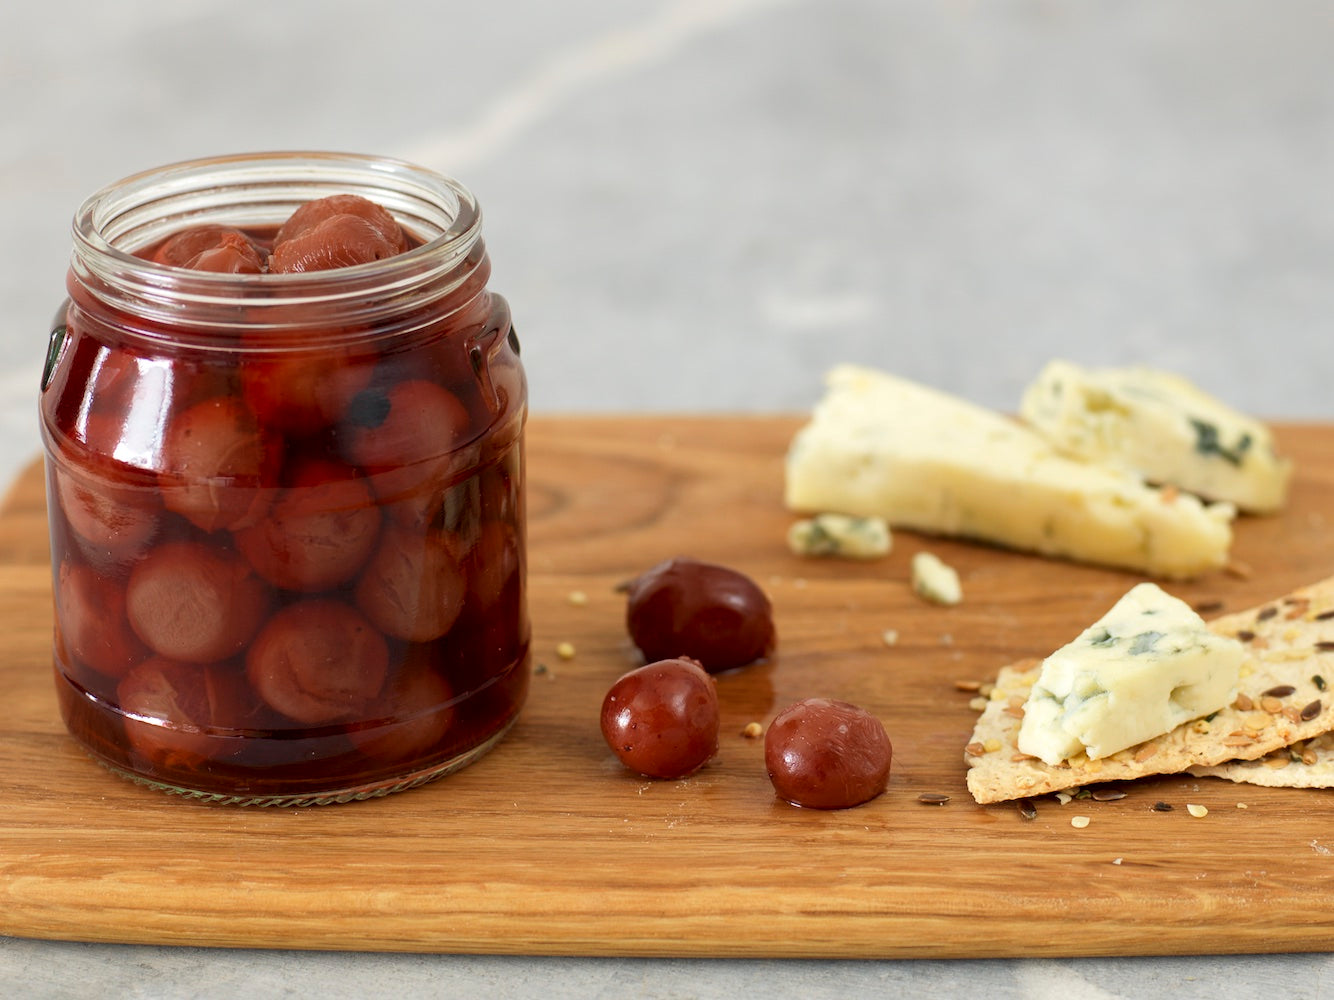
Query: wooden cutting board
[{"x": 547, "y": 846}]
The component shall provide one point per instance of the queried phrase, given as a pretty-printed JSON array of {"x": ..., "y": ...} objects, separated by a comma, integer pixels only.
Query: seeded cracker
[
  {"x": 1286, "y": 695},
  {"x": 1305, "y": 764}
]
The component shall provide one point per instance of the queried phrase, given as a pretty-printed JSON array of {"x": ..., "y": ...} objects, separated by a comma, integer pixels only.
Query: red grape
[{"x": 662, "y": 719}]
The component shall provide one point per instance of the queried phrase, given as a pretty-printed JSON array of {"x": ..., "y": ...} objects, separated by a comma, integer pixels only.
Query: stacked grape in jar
[{"x": 283, "y": 420}]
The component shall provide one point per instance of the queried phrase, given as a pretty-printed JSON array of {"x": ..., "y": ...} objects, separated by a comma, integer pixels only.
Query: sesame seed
[
  {"x": 565, "y": 650},
  {"x": 577, "y": 598},
  {"x": 1079, "y": 822}
]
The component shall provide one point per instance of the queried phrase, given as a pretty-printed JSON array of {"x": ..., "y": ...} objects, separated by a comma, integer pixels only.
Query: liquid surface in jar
[{"x": 289, "y": 571}]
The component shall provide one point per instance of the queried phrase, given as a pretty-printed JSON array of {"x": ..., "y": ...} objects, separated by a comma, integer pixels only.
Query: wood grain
[{"x": 547, "y": 846}]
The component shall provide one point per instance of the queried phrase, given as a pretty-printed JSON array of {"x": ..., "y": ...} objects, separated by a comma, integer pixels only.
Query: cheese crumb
[{"x": 934, "y": 580}]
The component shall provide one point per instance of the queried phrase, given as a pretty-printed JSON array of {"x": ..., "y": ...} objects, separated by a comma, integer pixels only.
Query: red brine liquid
[{"x": 289, "y": 566}]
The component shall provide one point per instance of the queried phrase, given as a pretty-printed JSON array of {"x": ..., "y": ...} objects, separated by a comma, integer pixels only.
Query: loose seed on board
[
  {"x": 1239, "y": 569},
  {"x": 1208, "y": 607},
  {"x": 1027, "y": 810},
  {"x": 1196, "y": 810},
  {"x": 752, "y": 731},
  {"x": 1162, "y": 807},
  {"x": 933, "y": 799},
  {"x": 1106, "y": 794},
  {"x": 969, "y": 686},
  {"x": 1079, "y": 822}
]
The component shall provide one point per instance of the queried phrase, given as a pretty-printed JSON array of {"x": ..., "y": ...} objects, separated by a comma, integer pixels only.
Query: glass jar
[{"x": 286, "y": 509}]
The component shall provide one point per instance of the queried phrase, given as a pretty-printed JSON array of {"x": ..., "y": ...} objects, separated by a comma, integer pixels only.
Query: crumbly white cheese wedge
[
  {"x": 1147, "y": 666},
  {"x": 934, "y": 580},
  {"x": 1159, "y": 426},
  {"x": 881, "y": 445},
  {"x": 841, "y": 536}
]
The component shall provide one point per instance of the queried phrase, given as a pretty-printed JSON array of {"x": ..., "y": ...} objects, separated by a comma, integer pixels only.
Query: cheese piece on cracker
[
  {"x": 1289, "y": 645},
  {"x": 1144, "y": 668}
]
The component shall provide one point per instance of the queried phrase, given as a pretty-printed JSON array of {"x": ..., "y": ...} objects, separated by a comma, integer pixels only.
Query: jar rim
[{"x": 261, "y": 189}]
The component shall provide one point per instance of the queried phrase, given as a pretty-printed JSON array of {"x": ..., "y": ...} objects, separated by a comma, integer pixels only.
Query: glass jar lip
[{"x": 144, "y": 207}]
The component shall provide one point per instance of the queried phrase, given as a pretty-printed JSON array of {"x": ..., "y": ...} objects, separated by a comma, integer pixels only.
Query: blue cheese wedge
[
  {"x": 1149, "y": 665},
  {"x": 840, "y": 536},
  {"x": 924, "y": 460},
  {"x": 1159, "y": 426}
]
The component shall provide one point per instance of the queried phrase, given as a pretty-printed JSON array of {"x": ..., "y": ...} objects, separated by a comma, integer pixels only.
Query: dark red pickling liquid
[{"x": 289, "y": 571}]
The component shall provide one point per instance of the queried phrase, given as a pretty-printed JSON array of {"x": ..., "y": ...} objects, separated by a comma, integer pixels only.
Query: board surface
[{"x": 548, "y": 846}]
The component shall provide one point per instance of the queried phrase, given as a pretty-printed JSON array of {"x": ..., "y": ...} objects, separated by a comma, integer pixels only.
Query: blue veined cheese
[
  {"x": 1147, "y": 666},
  {"x": 924, "y": 460},
  {"x": 1159, "y": 426}
]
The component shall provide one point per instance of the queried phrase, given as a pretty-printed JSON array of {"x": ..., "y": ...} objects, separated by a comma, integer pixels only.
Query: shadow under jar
[{"x": 286, "y": 509}]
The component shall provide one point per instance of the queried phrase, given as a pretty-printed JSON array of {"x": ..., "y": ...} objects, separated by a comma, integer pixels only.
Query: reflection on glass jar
[{"x": 286, "y": 481}]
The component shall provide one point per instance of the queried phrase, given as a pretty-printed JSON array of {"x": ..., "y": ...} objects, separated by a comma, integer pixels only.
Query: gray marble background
[{"x": 700, "y": 205}]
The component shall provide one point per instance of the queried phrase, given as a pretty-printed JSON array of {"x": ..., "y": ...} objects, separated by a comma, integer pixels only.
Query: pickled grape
[
  {"x": 710, "y": 613},
  {"x": 179, "y": 714},
  {"x": 314, "y": 214},
  {"x": 219, "y": 464},
  {"x": 827, "y": 754},
  {"x": 320, "y": 530},
  {"x": 195, "y": 602},
  {"x": 661, "y": 720},
  {"x": 414, "y": 714},
  {"x": 318, "y": 661},
  {"x": 337, "y": 231},
  {"x": 91, "y": 611},
  {"x": 211, "y": 248},
  {"x": 414, "y": 587}
]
